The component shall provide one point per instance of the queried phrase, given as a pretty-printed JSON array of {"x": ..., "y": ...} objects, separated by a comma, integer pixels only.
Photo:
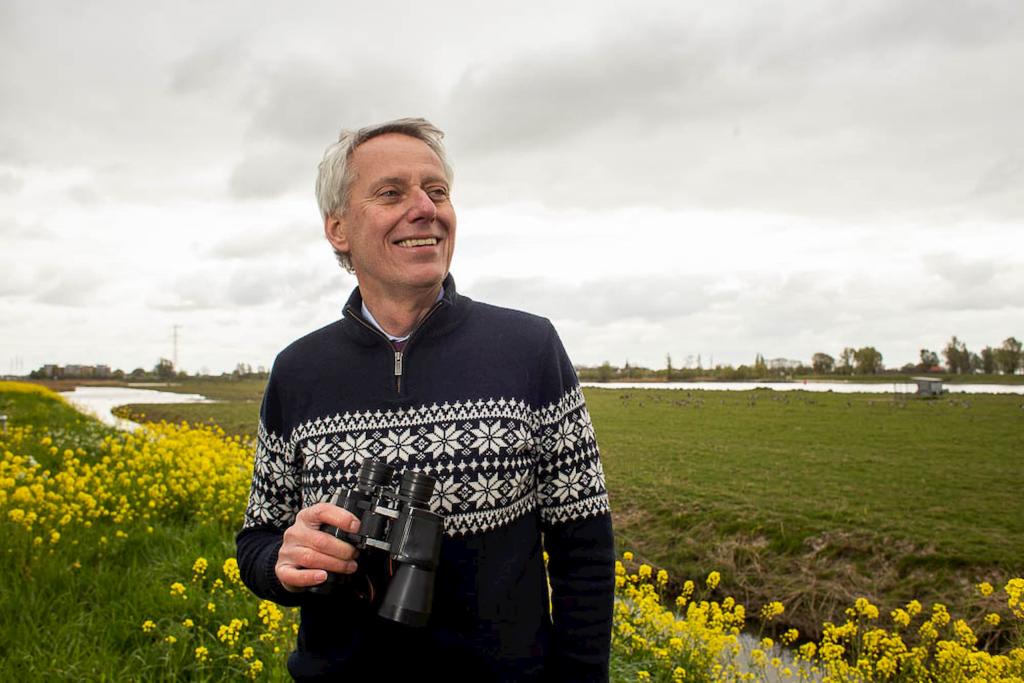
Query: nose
[{"x": 423, "y": 207}]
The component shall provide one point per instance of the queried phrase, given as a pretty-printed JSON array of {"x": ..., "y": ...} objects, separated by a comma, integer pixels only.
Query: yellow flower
[
  {"x": 148, "y": 626},
  {"x": 772, "y": 610},
  {"x": 202, "y": 654},
  {"x": 645, "y": 571},
  {"x": 199, "y": 567},
  {"x": 627, "y": 556},
  {"x": 211, "y": 607},
  {"x": 992, "y": 619},
  {"x": 985, "y": 588},
  {"x": 255, "y": 668},
  {"x": 713, "y": 579},
  {"x": 643, "y": 676},
  {"x": 188, "y": 623},
  {"x": 247, "y": 652},
  {"x": 230, "y": 569},
  {"x": 864, "y": 608},
  {"x": 170, "y": 640},
  {"x": 662, "y": 577},
  {"x": 178, "y": 590}
]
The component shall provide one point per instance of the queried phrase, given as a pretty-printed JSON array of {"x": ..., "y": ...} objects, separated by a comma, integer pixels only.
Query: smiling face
[{"x": 399, "y": 223}]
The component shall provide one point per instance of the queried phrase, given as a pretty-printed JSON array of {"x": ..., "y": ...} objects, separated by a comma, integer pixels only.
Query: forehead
[{"x": 395, "y": 154}]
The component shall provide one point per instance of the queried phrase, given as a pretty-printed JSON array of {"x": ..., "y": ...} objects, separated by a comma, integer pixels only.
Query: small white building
[{"x": 928, "y": 386}]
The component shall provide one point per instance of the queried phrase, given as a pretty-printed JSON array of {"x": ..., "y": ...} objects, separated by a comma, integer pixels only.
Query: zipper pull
[{"x": 398, "y": 363}]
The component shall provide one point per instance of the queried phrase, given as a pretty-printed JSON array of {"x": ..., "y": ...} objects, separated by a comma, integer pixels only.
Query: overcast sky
[{"x": 722, "y": 179}]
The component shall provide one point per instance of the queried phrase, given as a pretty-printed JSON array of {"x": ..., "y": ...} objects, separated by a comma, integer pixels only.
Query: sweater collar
[{"x": 452, "y": 307}]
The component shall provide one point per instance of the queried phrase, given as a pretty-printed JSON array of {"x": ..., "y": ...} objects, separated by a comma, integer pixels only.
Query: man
[{"x": 483, "y": 399}]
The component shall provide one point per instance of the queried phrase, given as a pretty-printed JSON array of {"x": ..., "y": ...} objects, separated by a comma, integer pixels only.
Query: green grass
[
  {"x": 237, "y": 410},
  {"x": 234, "y": 417},
  {"x": 60, "y": 623},
  {"x": 816, "y": 499}
]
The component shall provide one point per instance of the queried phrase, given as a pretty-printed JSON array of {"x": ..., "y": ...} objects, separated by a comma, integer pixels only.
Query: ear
[{"x": 334, "y": 230}]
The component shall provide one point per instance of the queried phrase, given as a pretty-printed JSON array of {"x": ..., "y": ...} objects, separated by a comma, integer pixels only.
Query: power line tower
[{"x": 174, "y": 358}]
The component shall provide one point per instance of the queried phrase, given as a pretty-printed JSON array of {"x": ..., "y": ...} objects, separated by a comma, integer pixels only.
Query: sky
[{"x": 688, "y": 178}]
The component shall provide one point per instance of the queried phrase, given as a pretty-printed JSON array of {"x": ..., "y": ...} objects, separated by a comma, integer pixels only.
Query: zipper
[
  {"x": 398, "y": 370},
  {"x": 399, "y": 355}
]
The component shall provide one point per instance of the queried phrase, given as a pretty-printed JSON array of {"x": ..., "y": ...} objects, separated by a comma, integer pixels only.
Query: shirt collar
[{"x": 373, "y": 321}]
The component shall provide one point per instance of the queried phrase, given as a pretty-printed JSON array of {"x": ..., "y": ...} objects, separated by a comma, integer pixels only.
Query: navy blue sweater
[{"x": 485, "y": 400}]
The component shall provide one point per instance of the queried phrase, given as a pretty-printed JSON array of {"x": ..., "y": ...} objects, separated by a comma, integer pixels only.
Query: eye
[
  {"x": 438, "y": 193},
  {"x": 388, "y": 193}
]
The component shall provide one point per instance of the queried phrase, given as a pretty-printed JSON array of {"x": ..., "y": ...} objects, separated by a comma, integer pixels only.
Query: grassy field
[
  {"x": 810, "y": 498},
  {"x": 815, "y": 499},
  {"x": 236, "y": 412},
  {"x": 117, "y": 552}
]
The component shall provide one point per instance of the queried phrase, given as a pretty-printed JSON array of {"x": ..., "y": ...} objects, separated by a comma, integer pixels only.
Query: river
[{"x": 99, "y": 401}]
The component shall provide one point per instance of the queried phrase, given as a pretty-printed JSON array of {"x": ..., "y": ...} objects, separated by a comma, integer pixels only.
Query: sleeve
[
  {"x": 576, "y": 522},
  {"x": 274, "y": 500}
]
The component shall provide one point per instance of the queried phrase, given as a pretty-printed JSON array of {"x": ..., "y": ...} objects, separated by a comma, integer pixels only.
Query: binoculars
[{"x": 400, "y": 524}]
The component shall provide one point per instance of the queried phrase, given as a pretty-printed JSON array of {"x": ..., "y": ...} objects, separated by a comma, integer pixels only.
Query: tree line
[{"x": 1007, "y": 358}]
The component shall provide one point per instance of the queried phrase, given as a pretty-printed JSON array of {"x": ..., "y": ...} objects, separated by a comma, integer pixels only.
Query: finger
[
  {"x": 295, "y": 578},
  {"x": 307, "y": 558},
  {"x": 299, "y": 539},
  {"x": 326, "y": 513}
]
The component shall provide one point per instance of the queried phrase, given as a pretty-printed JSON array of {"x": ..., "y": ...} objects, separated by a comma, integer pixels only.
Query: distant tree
[
  {"x": 604, "y": 373},
  {"x": 1008, "y": 356},
  {"x": 958, "y": 358},
  {"x": 988, "y": 360},
  {"x": 823, "y": 363},
  {"x": 760, "y": 367},
  {"x": 974, "y": 363},
  {"x": 668, "y": 367},
  {"x": 929, "y": 359},
  {"x": 846, "y": 361},
  {"x": 868, "y": 360},
  {"x": 138, "y": 373},
  {"x": 626, "y": 370},
  {"x": 164, "y": 369}
]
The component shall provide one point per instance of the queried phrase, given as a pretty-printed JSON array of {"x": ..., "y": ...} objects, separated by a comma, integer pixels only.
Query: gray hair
[{"x": 335, "y": 176}]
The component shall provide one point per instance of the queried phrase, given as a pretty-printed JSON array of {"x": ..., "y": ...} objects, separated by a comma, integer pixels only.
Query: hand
[{"x": 307, "y": 553}]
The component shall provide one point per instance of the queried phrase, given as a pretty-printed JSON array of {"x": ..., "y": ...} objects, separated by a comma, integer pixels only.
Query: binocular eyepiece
[{"x": 400, "y": 524}]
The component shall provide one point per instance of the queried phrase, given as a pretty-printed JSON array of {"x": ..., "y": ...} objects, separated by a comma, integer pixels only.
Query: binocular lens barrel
[
  {"x": 417, "y": 487},
  {"x": 375, "y": 473}
]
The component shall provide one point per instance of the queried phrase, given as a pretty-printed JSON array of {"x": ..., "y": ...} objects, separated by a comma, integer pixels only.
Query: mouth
[{"x": 418, "y": 242}]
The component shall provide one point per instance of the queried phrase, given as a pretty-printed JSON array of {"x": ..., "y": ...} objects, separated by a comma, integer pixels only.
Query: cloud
[
  {"x": 67, "y": 286},
  {"x": 1005, "y": 175},
  {"x": 860, "y": 111},
  {"x": 246, "y": 286},
  {"x": 267, "y": 174},
  {"x": 273, "y": 243},
  {"x": 306, "y": 102},
  {"x": 209, "y": 68},
  {"x": 10, "y": 182}
]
